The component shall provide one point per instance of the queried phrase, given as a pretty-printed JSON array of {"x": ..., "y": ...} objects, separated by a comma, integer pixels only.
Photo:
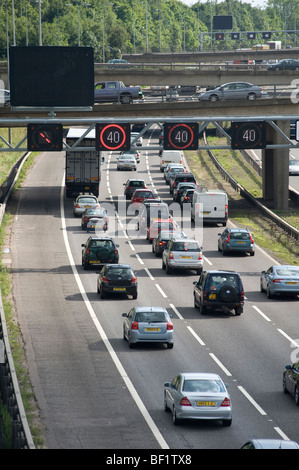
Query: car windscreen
[{"x": 201, "y": 386}]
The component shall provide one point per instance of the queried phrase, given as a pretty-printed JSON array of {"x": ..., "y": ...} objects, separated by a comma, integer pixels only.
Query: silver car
[
  {"x": 84, "y": 202},
  {"x": 127, "y": 161},
  {"x": 182, "y": 254},
  {"x": 148, "y": 325},
  {"x": 232, "y": 91},
  {"x": 294, "y": 167},
  {"x": 198, "y": 395},
  {"x": 281, "y": 279}
]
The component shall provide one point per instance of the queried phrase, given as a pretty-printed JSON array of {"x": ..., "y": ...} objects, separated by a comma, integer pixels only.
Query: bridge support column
[{"x": 275, "y": 164}]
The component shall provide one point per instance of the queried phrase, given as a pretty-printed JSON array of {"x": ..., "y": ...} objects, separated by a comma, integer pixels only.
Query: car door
[
  {"x": 266, "y": 278},
  {"x": 128, "y": 322},
  {"x": 173, "y": 392},
  {"x": 199, "y": 288},
  {"x": 229, "y": 91},
  {"x": 222, "y": 237}
]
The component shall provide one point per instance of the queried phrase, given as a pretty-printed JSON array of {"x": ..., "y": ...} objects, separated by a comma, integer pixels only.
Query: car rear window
[
  {"x": 150, "y": 317},
  {"x": 239, "y": 236},
  {"x": 143, "y": 194},
  {"x": 119, "y": 273},
  {"x": 183, "y": 246},
  {"x": 87, "y": 200},
  {"x": 218, "y": 280},
  {"x": 137, "y": 184},
  {"x": 102, "y": 243},
  {"x": 209, "y": 386},
  {"x": 287, "y": 272}
]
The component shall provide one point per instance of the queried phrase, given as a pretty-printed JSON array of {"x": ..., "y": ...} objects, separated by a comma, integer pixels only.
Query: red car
[
  {"x": 160, "y": 224},
  {"x": 140, "y": 194}
]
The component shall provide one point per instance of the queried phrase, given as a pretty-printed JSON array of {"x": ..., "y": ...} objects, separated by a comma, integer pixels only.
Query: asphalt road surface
[{"x": 95, "y": 392}]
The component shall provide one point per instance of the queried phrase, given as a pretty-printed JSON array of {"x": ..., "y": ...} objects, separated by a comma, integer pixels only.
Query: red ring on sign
[
  {"x": 123, "y": 134},
  {"x": 189, "y": 142}
]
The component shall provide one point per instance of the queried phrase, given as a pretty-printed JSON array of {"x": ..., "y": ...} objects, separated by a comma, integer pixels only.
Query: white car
[
  {"x": 85, "y": 201},
  {"x": 127, "y": 161},
  {"x": 4, "y": 97},
  {"x": 294, "y": 167}
]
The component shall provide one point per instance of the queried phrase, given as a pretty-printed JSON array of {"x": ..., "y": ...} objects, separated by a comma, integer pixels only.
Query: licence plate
[
  {"x": 206, "y": 213},
  {"x": 212, "y": 296},
  {"x": 291, "y": 283},
  {"x": 152, "y": 329},
  {"x": 186, "y": 257},
  {"x": 205, "y": 403},
  {"x": 119, "y": 288},
  {"x": 94, "y": 262},
  {"x": 241, "y": 242}
]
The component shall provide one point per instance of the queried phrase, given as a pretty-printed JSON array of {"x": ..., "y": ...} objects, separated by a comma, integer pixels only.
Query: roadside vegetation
[{"x": 267, "y": 235}]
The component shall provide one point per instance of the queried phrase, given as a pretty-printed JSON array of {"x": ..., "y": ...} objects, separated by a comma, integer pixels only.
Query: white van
[
  {"x": 170, "y": 156},
  {"x": 210, "y": 206}
]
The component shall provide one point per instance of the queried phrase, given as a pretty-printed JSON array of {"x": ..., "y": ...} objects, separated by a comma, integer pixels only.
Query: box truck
[{"x": 82, "y": 167}]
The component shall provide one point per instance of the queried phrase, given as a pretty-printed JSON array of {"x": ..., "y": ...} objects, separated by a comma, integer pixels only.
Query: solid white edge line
[
  {"x": 195, "y": 336},
  {"x": 252, "y": 401},
  {"x": 261, "y": 313},
  {"x": 220, "y": 364},
  {"x": 103, "y": 336}
]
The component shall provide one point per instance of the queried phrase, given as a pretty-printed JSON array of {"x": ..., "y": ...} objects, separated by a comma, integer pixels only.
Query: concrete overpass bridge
[{"x": 276, "y": 113}]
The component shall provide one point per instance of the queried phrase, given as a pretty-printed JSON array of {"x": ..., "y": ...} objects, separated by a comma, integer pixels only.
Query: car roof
[
  {"x": 135, "y": 179},
  {"x": 150, "y": 309},
  {"x": 200, "y": 375},
  {"x": 101, "y": 238},
  {"x": 274, "y": 444},
  {"x": 118, "y": 265},
  {"x": 235, "y": 229},
  {"x": 220, "y": 271}
]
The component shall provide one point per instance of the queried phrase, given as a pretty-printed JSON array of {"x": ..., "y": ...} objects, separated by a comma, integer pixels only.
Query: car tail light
[
  {"x": 161, "y": 243},
  {"x": 200, "y": 256},
  {"x": 134, "y": 325},
  {"x": 251, "y": 239},
  {"x": 116, "y": 252},
  {"x": 104, "y": 279},
  {"x": 185, "y": 402},
  {"x": 204, "y": 295},
  {"x": 226, "y": 402},
  {"x": 169, "y": 326},
  {"x": 276, "y": 281},
  {"x": 242, "y": 295},
  {"x": 162, "y": 162},
  {"x": 77, "y": 205},
  {"x": 226, "y": 209},
  {"x": 87, "y": 251},
  {"x": 134, "y": 279},
  {"x": 228, "y": 238},
  {"x": 170, "y": 255}
]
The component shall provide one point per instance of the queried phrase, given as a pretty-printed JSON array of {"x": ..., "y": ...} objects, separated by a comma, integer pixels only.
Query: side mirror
[
  {"x": 263, "y": 272},
  {"x": 117, "y": 245},
  {"x": 167, "y": 384},
  {"x": 288, "y": 367},
  {"x": 124, "y": 314},
  {"x": 195, "y": 283},
  {"x": 83, "y": 245}
]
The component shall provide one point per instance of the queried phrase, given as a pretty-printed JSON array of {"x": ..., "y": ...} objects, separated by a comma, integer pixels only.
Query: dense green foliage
[{"x": 130, "y": 26}]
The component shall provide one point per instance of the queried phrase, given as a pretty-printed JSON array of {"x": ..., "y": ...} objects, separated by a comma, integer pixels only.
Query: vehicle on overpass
[
  {"x": 285, "y": 64},
  {"x": 233, "y": 91}
]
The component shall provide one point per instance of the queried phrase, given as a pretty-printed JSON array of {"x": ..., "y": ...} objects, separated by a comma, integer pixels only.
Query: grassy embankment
[
  {"x": 278, "y": 244},
  {"x": 7, "y": 161}
]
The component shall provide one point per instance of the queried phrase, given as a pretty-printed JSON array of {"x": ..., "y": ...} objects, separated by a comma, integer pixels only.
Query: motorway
[{"x": 95, "y": 392}]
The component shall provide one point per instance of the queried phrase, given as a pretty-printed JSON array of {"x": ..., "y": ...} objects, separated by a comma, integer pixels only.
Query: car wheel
[
  {"x": 238, "y": 311},
  {"x": 202, "y": 309},
  {"x": 284, "y": 387},
  {"x": 126, "y": 99},
  {"x": 85, "y": 266},
  {"x": 226, "y": 422},
  {"x": 166, "y": 407},
  {"x": 269, "y": 295},
  {"x": 296, "y": 395},
  {"x": 169, "y": 345},
  {"x": 134, "y": 295},
  {"x": 163, "y": 265},
  {"x": 168, "y": 269},
  {"x": 261, "y": 287},
  {"x": 214, "y": 98},
  {"x": 175, "y": 420},
  {"x": 102, "y": 293},
  {"x": 251, "y": 97},
  {"x": 252, "y": 253},
  {"x": 199, "y": 271},
  {"x": 195, "y": 303},
  {"x": 131, "y": 345}
]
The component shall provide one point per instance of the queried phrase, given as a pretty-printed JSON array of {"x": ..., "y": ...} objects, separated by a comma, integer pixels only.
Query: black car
[
  {"x": 181, "y": 178},
  {"x": 285, "y": 64},
  {"x": 98, "y": 251},
  {"x": 117, "y": 279},
  {"x": 219, "y": 290},
  {"x": 187, "y": 196},
  {"x": 133, "y": 184},
  {"x": 290, "y": 381}
]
